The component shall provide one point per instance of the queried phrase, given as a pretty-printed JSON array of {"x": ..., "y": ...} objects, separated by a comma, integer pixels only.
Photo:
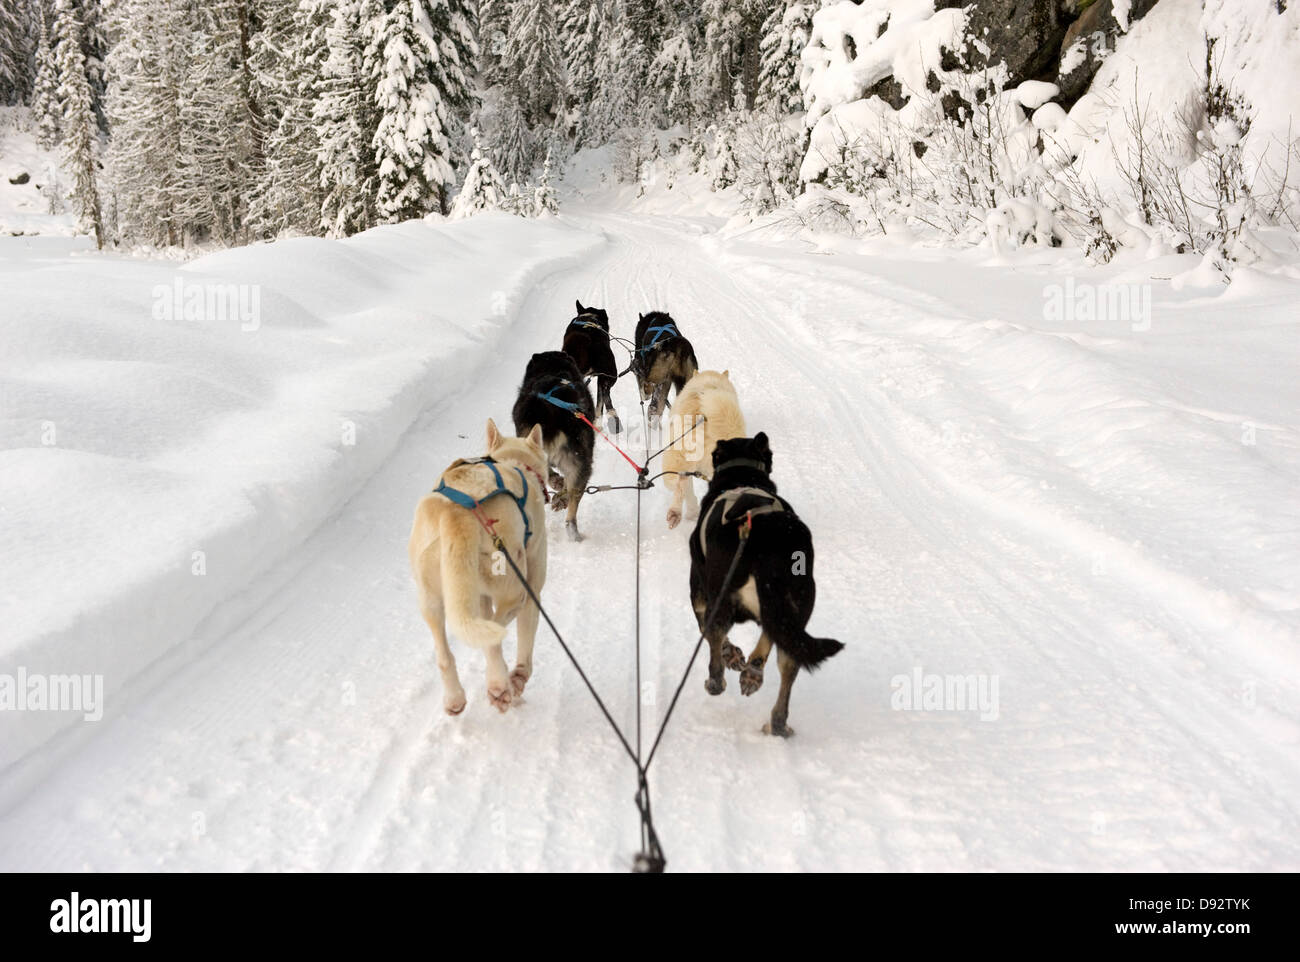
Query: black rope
[
  {"x": 681, "y": 474},
  {"x": 641, "y": 485},
  {"x": 500, "y": 546},
  {"x": 638, "y": 624},
  {"x": 644, "y": 482},
  {"x": 651, "y": 858},
  {"x": 651, "y": 457},
  {"x": 704, "y": 631}
]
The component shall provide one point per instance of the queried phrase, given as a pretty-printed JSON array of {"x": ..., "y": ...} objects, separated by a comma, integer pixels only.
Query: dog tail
[
  {"x": 462, "y": 591},
  {"x": 784, "y": 617},
  {"x": 807, "y": 651}
]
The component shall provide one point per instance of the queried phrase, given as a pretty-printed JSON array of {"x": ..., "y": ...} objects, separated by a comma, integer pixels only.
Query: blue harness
[
  {"x": 659, "y": 333},
  {"x": 465, "y": 501},
  {"x": 669, "y": 329},
  {"x": 579, "y": 322},
  {"x": 550, "y": 398}
]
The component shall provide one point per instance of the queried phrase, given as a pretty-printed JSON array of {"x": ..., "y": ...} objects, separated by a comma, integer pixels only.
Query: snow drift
[{"x": 170, "y": 433}]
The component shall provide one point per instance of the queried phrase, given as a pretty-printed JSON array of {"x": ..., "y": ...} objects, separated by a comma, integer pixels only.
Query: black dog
[
  {"x": 773, "y": 580},
  {"x": 552, "y": 395},
  {"x": 663, "y": 358},
  {"x": 586, "y": 340}
]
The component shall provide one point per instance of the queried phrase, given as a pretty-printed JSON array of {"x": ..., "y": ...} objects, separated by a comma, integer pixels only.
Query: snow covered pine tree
[
  {"x": 411, "y": 143},
  {"x": 79, "y": 127}
]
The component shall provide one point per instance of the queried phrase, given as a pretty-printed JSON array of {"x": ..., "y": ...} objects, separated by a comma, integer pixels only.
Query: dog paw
[
  {"x": 559, "y": 501},
  {"x": 674, "y": 517},
  {"x": 692, "y": 512},
  {"x": 613, "y": 425},
  {"x": 518, "y": 679},
  {"x": 715, "y": 686},
  {"x": 454, "y": 704},
  {"x": 778, "y": 728},
  {"x": 501, "y": 697},
  {"x": 732, "y": 656},
  {"x": 751, "y": 680},
  {"x": 571, "y": 529}
]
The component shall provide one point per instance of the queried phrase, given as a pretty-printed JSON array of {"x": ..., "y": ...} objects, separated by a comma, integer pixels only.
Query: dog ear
[
  {"x": 535, "y": 438},
  {"x": 764, "y": 449},
  {"x": 581, "y": 309},
  {"x": 727, "y": 374},
  {"x": 640, "y": 317},
  {"x": 493, "y": 435}
]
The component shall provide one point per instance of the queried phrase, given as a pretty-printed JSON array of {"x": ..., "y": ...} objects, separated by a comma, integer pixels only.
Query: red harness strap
[
  {"x": 546, "y": 494},
  {"x": 582, "y": 417}
]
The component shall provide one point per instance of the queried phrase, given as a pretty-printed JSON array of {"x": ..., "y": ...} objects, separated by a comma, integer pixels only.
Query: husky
[
  {"x": 773, "y": 581},
  {"x": 552, "y": 396},
  {"x": 705, "y": 412},
  {"x": 460, "y": 580},
  {"x": 586, "y": 340},
  {"x": 663, "y": 358}
]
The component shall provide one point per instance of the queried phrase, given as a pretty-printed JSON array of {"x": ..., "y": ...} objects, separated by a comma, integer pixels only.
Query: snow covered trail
[{"x": 1123, "y": 569}]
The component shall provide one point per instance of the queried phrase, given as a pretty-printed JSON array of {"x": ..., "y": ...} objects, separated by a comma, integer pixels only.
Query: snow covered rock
[
  {"x": 1090, "y": 39},
  {"x": 1024, "y": 36}
]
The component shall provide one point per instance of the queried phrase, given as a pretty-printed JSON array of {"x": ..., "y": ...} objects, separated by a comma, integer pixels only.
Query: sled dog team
[{"x": 500, "y": 498}]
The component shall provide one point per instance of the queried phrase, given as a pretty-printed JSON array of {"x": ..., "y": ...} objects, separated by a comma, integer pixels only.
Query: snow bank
[
  {"x": 169, "y": 434},
  {"x": 875, "y": 85},
  {"x": 1159, "y": 64}
]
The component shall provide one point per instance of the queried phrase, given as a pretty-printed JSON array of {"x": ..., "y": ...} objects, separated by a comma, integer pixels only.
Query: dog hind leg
[
  {"x": 577, "y": 473},
  {"x": 716, "y": 683},
  {"x": 527, "y": 631},
  {"x": 680, "y": 486},
  {"x": 500, "y": 685},
  {"x": 692, "y": 510},
  {"x": 603, "y": 387},
  {"x": 453, "y": 693},
  {"x": 781, "y": 710},
  {"x": 658, "y": 400},
  {"x": 556, "y": 483}
]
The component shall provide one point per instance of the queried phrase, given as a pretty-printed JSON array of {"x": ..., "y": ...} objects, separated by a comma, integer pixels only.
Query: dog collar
[{"x": 741, "y": 463}]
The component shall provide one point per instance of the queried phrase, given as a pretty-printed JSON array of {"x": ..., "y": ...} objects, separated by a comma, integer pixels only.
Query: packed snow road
[{"x": 1066, "y": 520}]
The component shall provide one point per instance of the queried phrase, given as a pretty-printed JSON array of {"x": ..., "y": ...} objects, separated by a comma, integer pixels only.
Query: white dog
[
  {"x": 460, "y": 576},
  {"x": 709, "y": 408}
]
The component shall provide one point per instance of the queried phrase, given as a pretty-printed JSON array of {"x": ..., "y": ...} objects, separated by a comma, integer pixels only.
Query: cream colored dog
[
  {"x": 709, "y": 395},
  {"x": 460, "y": 577}
]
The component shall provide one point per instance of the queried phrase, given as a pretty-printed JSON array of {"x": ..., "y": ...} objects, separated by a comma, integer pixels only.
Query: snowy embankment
[{"x": 170, "y": 433}]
